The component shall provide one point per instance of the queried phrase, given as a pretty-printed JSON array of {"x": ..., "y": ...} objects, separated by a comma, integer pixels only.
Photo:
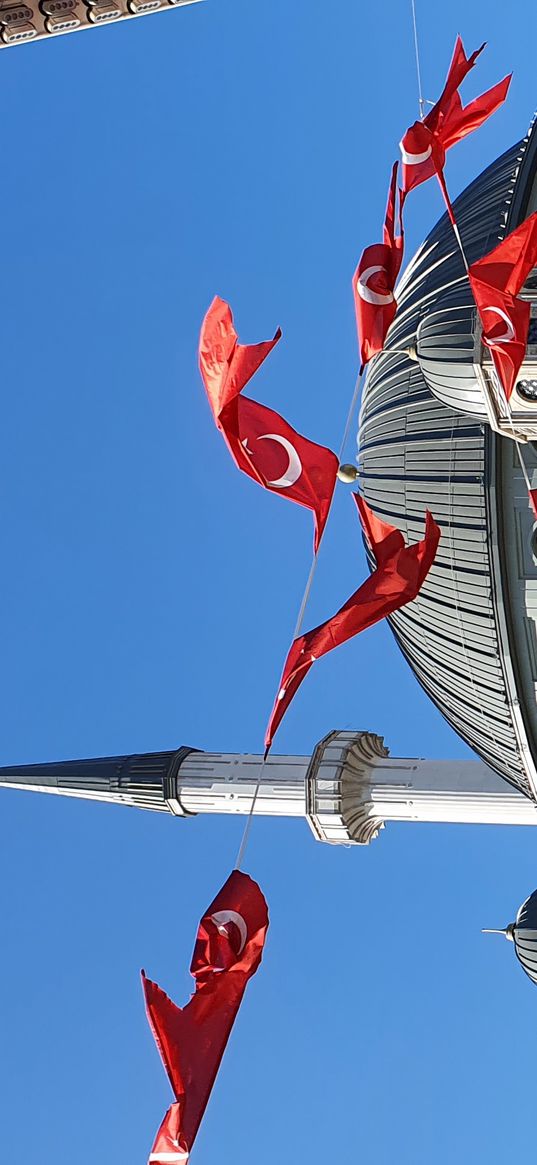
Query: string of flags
[{"x": 263, "y": 445}]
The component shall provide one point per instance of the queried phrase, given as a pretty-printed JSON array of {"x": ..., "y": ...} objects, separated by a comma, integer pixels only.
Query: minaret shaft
[{"x": 446, "y": 791}]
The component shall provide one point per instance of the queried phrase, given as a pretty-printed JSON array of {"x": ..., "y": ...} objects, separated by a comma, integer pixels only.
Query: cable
[{"x": 418, "y": 69}]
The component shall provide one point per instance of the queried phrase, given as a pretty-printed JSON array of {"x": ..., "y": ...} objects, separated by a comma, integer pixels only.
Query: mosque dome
[
  {"x": 427, "y": 440},
  {"x": 525, "y": 936}
]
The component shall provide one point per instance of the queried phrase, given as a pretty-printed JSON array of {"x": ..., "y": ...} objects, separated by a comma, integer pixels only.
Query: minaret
[{"x": 347, "y": 790}]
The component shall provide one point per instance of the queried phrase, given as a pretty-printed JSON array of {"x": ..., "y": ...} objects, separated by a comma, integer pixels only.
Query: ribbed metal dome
[
  {"x": 415, "y": 451},
  {"x": 525, "y": 936}
]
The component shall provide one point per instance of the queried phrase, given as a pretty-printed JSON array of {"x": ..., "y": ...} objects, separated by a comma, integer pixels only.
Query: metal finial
[
  {"x": 348, "y": 473},
  {"x": 506, "y": 930}
]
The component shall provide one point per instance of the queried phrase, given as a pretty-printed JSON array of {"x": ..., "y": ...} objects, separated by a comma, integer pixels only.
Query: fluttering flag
[
  {"x": 374, "y": 281},
  {"x": 532, "y": 496},
  {"x": 495, "y": 281},
  {"x": 401, "y": 571},
  {"x": 261, "y": 443},
  {"x": 191, "y": 1040},
  {"x": 424, "y": 145}
]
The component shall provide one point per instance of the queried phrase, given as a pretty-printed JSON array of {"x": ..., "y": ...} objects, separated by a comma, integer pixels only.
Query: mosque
[{"x": 432, "y": 433}]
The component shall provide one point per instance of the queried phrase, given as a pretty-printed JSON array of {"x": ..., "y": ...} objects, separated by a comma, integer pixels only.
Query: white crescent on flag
[
  {"x": 509, "y": 334},
  {"x": 414, "y": 159},
  {"x": 365, "y": 292},
  {"x": 294, "y": 468},
  {"x": 221, "y": 920}
]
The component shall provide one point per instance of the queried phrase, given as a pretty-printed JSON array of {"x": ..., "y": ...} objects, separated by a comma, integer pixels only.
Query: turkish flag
[
  {"x": 401, "y": 571},
  {"x": 495, "y": 281},
  {"x": 424, "y": 145},
  {"x": 374, "y": 281},
  {"x": 191, "y": 1040},
  {"x": 261, "y": 443}
]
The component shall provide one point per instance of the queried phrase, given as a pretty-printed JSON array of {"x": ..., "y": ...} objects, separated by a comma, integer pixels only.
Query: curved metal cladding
[
  {"x": 525, "y": 936},
  {"x": 415, "y": 452}
]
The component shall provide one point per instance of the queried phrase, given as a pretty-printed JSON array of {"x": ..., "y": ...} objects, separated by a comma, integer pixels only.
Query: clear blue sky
[{"x": 149, "y": 591}]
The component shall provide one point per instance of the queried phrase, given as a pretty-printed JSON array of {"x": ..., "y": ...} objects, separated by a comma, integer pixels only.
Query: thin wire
[
  {"x": 315, "y": 559},
  {"x": 248, "y": 826},
  {"x": 418, "y": 69},
  {"x": 300, "y": 618},
  {"x": 459, "y": 240}
]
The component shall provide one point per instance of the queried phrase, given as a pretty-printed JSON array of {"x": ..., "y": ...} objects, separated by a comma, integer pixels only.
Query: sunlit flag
[
  {"x": 373, "y": 282},
  {"x": 261, "y": 443},
  {"x": 191, "y": 1040},
  {"x": 400, "y": 574},
  {"x": 496, "y": 281}
]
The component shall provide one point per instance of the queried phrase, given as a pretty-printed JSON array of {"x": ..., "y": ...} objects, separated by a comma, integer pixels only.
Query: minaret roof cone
[{"x": 144, "y": 780}]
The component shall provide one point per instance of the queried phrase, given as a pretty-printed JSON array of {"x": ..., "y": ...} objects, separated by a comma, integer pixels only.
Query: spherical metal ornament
[
  {"x": 523, "y": 934},
  {"x": 348, "y": 473}
]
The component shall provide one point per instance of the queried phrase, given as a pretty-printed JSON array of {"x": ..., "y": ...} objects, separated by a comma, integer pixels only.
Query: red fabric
[
  {"x": 374, "y": 281},
  {"x": 401, "y": 571},
  {"x": 424, "y": 145},
  {"x": 167, "y": 1146},
  {"x": 261, "y": 443},
  {"x": 495, "y": 281},
  {"x": 532, "y": 494},
  {"x": 191, "y": 1040}
]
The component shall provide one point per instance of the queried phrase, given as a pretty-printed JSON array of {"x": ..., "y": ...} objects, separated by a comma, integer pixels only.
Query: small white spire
[{"x": 507, "y": 931}]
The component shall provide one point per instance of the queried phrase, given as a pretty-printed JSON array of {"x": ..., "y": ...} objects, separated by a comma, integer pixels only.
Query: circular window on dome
[{"x": 527, "y": 389}]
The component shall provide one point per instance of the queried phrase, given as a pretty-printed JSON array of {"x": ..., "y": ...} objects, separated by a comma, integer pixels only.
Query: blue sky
[{"x": 149, "y": 592}]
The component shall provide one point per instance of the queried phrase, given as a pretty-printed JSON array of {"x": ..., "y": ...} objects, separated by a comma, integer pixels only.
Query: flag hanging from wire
[
  {"x": 424, "y": 145},
  {"x": 496, "y": 280},
  {"x": 191, "y": 1040},
  {"x": 374, "y": 282},
  {"x": 262, "y": 444},
  {"x": 400, "y": 574}
]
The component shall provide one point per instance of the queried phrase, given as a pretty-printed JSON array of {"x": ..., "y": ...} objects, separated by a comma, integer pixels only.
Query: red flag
[
  {"x": 374, "y": 281},
  {"x": 261, "y": 443},
  {"x": 167, "y": 1146},
  {"x": 532, "y": 494},
  {"x": 191, "y": 1040},
  {"x": 495, "y": 281},
  {"x": 424, "y": 145},
  {"x": 401, "y": 571}
]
